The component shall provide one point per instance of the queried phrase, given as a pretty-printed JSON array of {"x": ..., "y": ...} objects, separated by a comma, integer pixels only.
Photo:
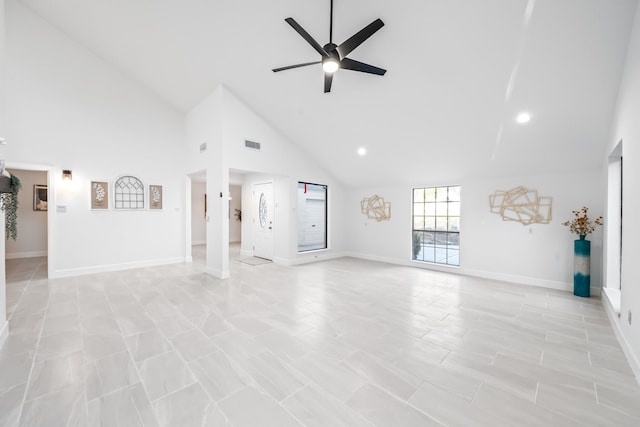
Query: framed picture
[
  {"x": 39, "y": 197},
  {"x": 155, "y": 197},
  {"x": 99, "y": 195}
]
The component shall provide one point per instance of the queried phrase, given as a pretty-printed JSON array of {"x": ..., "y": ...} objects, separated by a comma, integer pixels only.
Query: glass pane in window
[
  {"x": 441, "y": 239},
  {"x": 441, "y": 209},
  {"x": 441, "y": 254},
  {"x": 454, "y": 194},
  {"x": 430, "y": 223},
  {"x": 454, "y": 209},
  {"x": 436, "y": 210},
  {"x": 416, "y": 247},
  {"x": 429, "y": 238},
  {"x": 453, "y": 240},
  {"x": 428, "y": 254},
  {"x": 430, "y": 194},
  {"x": 453, "y": 256},
  {"x": 430, "y": 209},
  {"x": 418, "y": 223}
]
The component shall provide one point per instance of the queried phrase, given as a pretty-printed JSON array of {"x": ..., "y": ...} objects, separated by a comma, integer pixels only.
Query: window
[
  {"x": 436, "y": 225},
  {"x": 128, "y": 193},
  {"x": 312, "y": 217}
]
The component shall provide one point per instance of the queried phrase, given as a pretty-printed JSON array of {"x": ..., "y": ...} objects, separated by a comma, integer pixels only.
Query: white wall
[
  {"x": 538, "y": 254},
  {"x": 32, "y": 225},
  {"x": 225, "y": 122},
  {"x": 287, "y": 164},
  {"x": 204, "y": 126},
  {"x": 71, "y": 110},
  {"x": 626, "y": 128},
  {"x": 198, "y": 223}
]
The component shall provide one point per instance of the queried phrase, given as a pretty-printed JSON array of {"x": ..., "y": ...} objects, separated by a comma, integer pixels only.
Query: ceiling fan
[{"x": 334, "y": 57}]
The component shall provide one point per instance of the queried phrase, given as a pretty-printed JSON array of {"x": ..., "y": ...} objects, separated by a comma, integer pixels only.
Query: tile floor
[{"x": 339, "y": 343}]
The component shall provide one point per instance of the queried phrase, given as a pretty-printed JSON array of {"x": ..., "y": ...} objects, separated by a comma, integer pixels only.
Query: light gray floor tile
[
  {"x": 451, "y": 410},
  {"x": 60, "y": 324},
  {"x": 312, "y": 344},
  {"x": 219, "y": 376},
  {"x": 97, "y": 346},
  {"x": 63, "y": 408},
  {"x": 237, "y": 344},
  {"x": 264, "y": 411},
  {"x": 382, "y": 409},
  {"x": 388, "y": 378},
  {"x": 517, "y": 411},
  {"x": 334, "y": 378},
  {"x": 147, "y": 344},
  {"x": 164, "y": 374},
  {"x": 58, "y": 345},
  {"x": 109, "y": 374},
  {"x": 314, "y": 407},
  {"x": 126, "y": 407},
  {"x": 187, "y": 407},
  {"x": 15, "y": 370},
  {"x": 273, "y": 375},
  {"x": 193, "y": 344},
  {"x": 10, "y": 405},
  {"x": 174, "y": 325},
  {"x": 581, "y": 406},
  {"x": 54, "y": 374}
]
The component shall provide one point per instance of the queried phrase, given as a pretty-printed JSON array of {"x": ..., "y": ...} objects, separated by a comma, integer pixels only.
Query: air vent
[
  {"x": 251, "y": 144},
  {"x": 203, "y": 147}
]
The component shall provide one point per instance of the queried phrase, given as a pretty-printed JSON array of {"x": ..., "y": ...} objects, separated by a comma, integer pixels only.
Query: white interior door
[{"x": 263, "y": 220}]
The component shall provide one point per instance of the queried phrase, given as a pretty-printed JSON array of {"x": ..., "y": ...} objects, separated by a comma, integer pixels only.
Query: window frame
[{"x": 439, "y": 223}]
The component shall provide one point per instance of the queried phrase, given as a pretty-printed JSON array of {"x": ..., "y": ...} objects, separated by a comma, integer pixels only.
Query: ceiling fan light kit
[{"x": 334, "y": 57}]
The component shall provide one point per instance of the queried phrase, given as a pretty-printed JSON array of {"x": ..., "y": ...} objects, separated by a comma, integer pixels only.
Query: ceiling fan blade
[
  {"x": 328, "y": 79},
  {"x": 275, "y": 70},
  {"x": 350, "y": 64},
  {"x": 356, "y": 40},
  {"x": 307, "y": 37}
]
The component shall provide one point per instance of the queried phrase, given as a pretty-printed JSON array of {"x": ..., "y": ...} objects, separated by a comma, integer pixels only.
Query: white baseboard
[
  {"x": 308, "y": 258},
  {"x": 188, "y": 259},
  {"x": 220, "y": 274},
  {"x": 32, "y": 254},
  {"x": 4, "y": 332},
  {"x": 520, "y": 280},
  {"x": 614, "y": 319},
  {"x": 71, "y": 272}
]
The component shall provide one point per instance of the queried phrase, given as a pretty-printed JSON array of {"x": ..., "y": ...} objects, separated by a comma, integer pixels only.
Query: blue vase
[{"x": 582, "y": 267}]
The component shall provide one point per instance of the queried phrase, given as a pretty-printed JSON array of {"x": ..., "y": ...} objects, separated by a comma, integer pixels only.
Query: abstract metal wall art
[
  {"x": 375, "y": 207},
  {"x": 522, "y": 205}
]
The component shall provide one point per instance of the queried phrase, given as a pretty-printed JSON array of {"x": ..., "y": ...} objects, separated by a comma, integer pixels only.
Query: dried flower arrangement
[{"x": 581, "y": 224}]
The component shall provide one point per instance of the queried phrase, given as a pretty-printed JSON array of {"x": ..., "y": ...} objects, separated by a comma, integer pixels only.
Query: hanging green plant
[
  {"x": 238, "y": 214},
  {"x": 9, "y": 203}
]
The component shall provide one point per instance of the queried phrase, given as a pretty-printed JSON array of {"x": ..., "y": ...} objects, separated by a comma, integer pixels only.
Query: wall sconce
[{"x": 66, "y": 175}]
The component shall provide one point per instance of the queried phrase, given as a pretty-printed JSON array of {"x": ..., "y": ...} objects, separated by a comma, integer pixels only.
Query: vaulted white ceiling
[{"x": 459, "y": 71}]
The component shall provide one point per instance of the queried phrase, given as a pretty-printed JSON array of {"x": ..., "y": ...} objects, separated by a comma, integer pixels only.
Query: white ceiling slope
[{"x": 458, "y": 73}]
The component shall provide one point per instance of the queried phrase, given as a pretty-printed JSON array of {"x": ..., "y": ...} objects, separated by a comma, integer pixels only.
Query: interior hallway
[{"x": 344, "y": 342}]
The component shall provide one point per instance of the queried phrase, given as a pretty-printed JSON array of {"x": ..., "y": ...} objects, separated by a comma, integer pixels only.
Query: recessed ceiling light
[
  {"x": 523, "y": 118},
  {"x": 362, "y": 151}
]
